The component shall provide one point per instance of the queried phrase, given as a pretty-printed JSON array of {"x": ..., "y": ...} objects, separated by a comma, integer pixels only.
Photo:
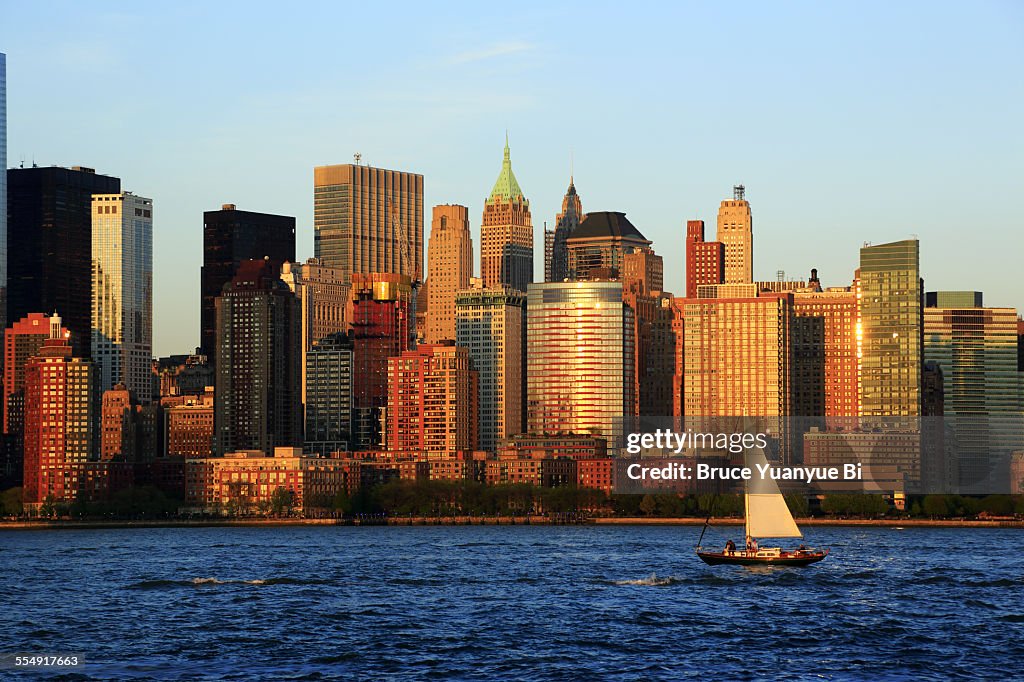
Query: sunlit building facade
[
  {"x": 450, "y": 264},
  {"x": 597, "y": 247},
  {"x": 59, "y": 426},
  {"x": 736, "y": 233},
  {"x": 506, "y": 233},
  {"x": 580, "y": 360},
  {"x": 891, "y": 318},
  {"x": 323, "y": 295},
  {"x": 705, "y": 261},
  {"x": 432, "y": 400},
  {"x": 368, "y": 219},
  {"x": 491, "y": 325},
  {"x": 22, "y": 340},
  {"x": 737, "y": 360},
  {"x": 825, "y": 364},
  {"x": 122, "y": 292}
]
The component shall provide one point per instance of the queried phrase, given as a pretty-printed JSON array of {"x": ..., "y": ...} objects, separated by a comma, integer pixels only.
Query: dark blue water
[{"x": 524, "y": 602}]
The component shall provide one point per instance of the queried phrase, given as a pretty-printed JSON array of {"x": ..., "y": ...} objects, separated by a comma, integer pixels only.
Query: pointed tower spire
[{"x": 506, "y": 187}]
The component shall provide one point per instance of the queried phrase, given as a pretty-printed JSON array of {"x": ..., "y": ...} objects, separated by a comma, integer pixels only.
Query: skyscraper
[
  {"x": 737, "y": 356},
  {"x": 565, "y": 222},
  {"x": 735, "y": 231},
  {"x": 654, "y": 346},
  {"x": 596, "y": 248},
  {"x": 3, "y": 189},
  {"x": 580, "y": 363},
  {"x": 432, "y": 400},
  {"x": 549, "y": 249},
  {"x": 705, "y": 261},
  {"x": 122, "y": 286},
  {"x": 323, "y": 295},
  {"x": 825, "y": 367},
  {"x": 642, "y": 271},
  {"x": 506, "y": 233},
  {"x": 117, "y": 433},
  {"x": 257, "y": 405},
  {"x": 491, "y": 324},
  {"x": 230, "y": 237},
  {"x": 891, "y": 321},
  {"x": 380, "y": 329},
  {"x": 328, "y": 399},
  {"x": 368, "y": 220},
  {"x": 50, "y": 242},
  {"x": 450, "y": 264},
  {"x": 22, "y": 340},
  {"x": 737, "y": 360},
  {"x": 976, "y": 347},
  {"x": 59, "y": 416}
]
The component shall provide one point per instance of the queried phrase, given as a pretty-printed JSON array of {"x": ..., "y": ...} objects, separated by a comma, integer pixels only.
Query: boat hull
[{"x": 798, "y": 559}]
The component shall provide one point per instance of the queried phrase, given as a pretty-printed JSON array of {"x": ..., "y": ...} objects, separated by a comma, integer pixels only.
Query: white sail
[{"x": 768, "y": 516}]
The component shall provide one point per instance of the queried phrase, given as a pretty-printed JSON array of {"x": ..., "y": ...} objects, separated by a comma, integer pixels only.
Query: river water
[{"x": 500, "y": 602}]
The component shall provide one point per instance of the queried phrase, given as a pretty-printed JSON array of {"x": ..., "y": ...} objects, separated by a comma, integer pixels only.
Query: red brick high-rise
[
  {"x": 432, "y": 400},
  {"x": 58, "y": 417},
  {"x": 705, "y": 261},
  {"x": 188, "y": 425},
  {"x": 117, "y": 425},
  {"x": 22, "y": 340},
  {"x": 380, "y": 330}
]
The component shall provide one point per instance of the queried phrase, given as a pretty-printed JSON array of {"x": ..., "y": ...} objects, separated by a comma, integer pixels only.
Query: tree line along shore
[{"x": 467, "y": 502}]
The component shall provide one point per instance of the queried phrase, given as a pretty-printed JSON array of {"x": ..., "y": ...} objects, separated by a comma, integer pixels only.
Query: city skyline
[{"x": 909, "y": 142}]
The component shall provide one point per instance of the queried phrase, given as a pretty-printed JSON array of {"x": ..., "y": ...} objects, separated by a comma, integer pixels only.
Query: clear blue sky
[{"x": 846, "y": 122}]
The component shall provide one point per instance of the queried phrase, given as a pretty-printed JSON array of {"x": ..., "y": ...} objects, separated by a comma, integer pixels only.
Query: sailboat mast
[{"x": 746, "y": 513}]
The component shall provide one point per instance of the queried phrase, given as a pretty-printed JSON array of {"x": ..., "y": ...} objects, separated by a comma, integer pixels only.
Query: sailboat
[{"x": 767, "y": 516}]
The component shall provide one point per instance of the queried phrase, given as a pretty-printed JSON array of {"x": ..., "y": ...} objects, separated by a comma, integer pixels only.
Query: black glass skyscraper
[
  {"x": 49, "y": 213},
  {"x": 230, "y": 237}
]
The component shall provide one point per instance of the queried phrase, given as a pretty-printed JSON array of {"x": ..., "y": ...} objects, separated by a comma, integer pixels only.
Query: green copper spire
[{"x": 506, "y": 186}]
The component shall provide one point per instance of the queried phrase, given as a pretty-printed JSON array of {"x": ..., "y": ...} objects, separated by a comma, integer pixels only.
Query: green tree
[
  {"x": 12, "y": 501},
  {"x": 282, "y": 500},
  {"x": 998, "y": 505},
  {"x": 935, "y": 505},
  {"x": 341, "y": 502},
  {"x": 648, "y": 505},
  {"x": 49, "y": 506},
  {"x": 797, "y": 504}
]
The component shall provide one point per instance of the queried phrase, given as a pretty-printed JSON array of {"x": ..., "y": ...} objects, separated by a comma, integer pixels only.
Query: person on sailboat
[{"x": 730, "y": 547}]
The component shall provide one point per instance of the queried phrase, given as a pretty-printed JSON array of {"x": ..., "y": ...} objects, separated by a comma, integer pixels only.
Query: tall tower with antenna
[{"x": 736, "y": 232}]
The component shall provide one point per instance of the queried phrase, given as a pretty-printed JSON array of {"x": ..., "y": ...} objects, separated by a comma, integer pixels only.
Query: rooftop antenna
[
  {"x": 738, "y": 192},
  {"x": 357, "y": 157},
  {"x": 780, "y": 275}
]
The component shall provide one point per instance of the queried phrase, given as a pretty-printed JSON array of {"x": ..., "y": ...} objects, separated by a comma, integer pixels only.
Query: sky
[{"x": 847, "y": 122}]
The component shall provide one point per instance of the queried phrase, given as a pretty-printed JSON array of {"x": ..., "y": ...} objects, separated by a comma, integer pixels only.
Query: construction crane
[{"x": 403, "y": 241}]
